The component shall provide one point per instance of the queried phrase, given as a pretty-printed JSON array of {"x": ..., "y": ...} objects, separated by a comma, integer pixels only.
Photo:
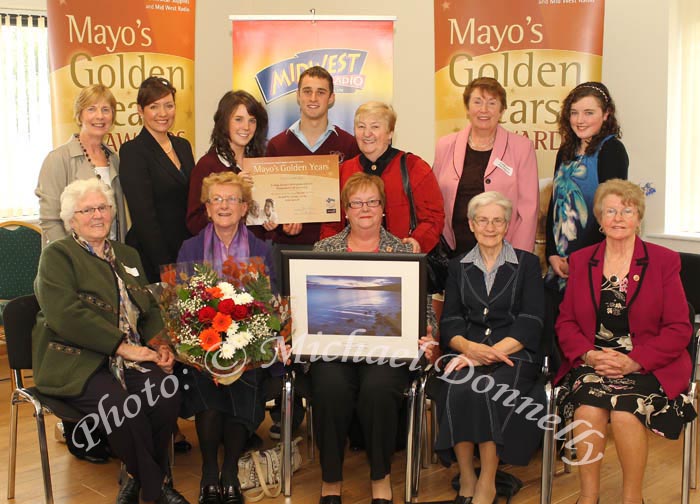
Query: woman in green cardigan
[{"x": 95, "y": 343}]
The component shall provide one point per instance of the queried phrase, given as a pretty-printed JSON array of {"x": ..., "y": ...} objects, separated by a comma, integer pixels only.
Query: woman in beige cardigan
[{"x": 84, "y": 156}]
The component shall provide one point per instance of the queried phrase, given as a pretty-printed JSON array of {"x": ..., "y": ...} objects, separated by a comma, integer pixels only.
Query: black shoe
[
  {"x": 129, "y": 491},
  {"x": 382, "y": 501},
  {"x": 231, "y": 494},
  {"x": 330, "y": 499},
  {"x": 169, "y": 495},
  {"x": 182, "y": 446},
  {"x": 209, "y": 495},
  {"x": 461, "y": 499}
]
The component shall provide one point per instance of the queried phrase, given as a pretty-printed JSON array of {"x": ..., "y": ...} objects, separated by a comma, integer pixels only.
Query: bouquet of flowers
[{"x": 223, "y": 323}]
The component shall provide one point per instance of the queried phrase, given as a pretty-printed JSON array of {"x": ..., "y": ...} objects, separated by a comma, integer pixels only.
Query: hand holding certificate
[{"x": 295, "y": 189}]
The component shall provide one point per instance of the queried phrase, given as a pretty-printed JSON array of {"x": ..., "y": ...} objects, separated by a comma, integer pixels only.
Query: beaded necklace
[{"x": 87, "y": 156}]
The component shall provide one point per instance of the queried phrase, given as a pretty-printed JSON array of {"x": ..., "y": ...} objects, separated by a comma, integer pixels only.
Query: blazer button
[
  {"x": 487, "y": 181},
  {"x": 488, "y": 331},
  {"x": 486, "y": 311}
]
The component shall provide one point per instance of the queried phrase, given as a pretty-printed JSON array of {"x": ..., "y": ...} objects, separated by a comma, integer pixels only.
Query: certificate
[{"x": 294, "y": 189}]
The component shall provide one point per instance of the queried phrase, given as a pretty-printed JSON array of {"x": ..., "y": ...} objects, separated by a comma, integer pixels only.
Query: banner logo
[{"x": 345, "y": 65}]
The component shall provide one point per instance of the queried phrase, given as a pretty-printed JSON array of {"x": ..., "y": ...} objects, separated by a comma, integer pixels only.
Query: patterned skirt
[{"x": 639, "y": 394}]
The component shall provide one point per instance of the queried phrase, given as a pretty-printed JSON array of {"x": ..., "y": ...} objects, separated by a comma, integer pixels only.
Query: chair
[
  {"x": 416, "y": 411},
  {"x": 20, "y": 316},
  {"x": 20, "y": 247},
  {"x": 689, "y": 430}
]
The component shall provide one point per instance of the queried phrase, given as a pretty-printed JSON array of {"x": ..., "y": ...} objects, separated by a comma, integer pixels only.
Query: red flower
[
  {"x": 239, "y": 312},
  {"x": 206, "y": 314},
  {"x": 226, "y": 306}
]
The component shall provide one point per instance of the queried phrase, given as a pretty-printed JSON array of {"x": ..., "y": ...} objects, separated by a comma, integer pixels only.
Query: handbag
[
  {"x": 260, "y": 472},
  {"x": 437, "y": 259}
]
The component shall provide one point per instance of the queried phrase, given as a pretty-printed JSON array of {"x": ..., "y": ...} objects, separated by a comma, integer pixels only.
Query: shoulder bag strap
[{"x": 409, "y": 194}]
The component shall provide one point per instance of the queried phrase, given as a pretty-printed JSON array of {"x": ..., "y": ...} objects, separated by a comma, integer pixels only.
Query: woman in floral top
[
  {"x": 590, "y": 154},
  {"x": 623, "y": 330}
]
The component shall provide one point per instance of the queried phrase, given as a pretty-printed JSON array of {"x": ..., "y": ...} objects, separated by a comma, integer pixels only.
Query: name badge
[
  {"x": 507, "y": 169},
  {"x": 131, "y": 271}
]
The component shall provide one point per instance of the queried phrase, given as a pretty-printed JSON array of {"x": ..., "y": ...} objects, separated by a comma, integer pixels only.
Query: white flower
[
  {"x": 240, "y": 339},
  {"x": 227, "y": 350},
  {"x": 242, "y": 298},
  {"x": 232, "y": 329},
  {"x": 227, "y": 290}
]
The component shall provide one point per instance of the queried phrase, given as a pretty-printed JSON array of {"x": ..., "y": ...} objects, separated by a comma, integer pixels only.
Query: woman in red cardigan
[
  {"x": 623, "y": 329},
  {"x": 374, "y": 131}
]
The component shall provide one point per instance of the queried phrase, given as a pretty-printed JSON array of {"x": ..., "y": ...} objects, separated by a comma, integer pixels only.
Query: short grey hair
[
  {"x": 487, "y": 198},
  {"x": 76, "y": 191}
]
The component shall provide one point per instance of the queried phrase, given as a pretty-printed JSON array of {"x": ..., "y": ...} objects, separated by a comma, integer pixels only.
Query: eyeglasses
[
  {"x": 482, "y": 222},
  {"x": 90, "y": 211},
  {"x": 231, "y": 200},
  {"x": 373, "y": 203},
  {"x": 626, "y": 213}
]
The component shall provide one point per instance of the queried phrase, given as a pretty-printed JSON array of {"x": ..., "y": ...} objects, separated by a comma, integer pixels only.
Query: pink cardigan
[{"x": 517, "y": 156}]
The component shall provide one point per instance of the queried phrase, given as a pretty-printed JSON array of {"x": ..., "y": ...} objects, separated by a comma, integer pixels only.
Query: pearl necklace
[{"x": 481, "y": 146}]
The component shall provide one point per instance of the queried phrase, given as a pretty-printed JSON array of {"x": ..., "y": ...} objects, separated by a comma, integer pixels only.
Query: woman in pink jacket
[{"x": 486, "y": 157}]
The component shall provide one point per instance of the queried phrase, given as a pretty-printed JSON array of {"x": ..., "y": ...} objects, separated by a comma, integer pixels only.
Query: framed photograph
[{"x": 355, "y": 306}]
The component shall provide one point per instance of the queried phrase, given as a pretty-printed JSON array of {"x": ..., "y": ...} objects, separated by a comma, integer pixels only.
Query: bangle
[{"x": 584, "y": 357}]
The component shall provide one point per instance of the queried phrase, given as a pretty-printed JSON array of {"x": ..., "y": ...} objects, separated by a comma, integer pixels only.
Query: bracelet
[{"x": 584, "y": 357}]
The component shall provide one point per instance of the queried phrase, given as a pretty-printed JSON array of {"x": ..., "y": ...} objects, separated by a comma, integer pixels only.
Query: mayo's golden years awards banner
[
  {"x": 119, "y": 44},
  {"x": 270, "y": 52},
  {"x": 537, "y": 49},
  {"x": 294, "y": 189}
]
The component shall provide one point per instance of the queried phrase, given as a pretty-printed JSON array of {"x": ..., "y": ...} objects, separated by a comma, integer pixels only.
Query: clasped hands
[
  {"x": 477, "y": 354},
  {"x": 611, "y": 363},
  {"x": 163, "y": 356}
]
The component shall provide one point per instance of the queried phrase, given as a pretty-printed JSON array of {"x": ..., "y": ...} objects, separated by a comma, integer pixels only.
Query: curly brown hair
[
  {"x": 220, "y": 135},
  {"x": 569, "y": 141}
]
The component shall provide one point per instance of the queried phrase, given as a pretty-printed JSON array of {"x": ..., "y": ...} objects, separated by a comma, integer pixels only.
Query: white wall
[{"x": 635, "y": 67}]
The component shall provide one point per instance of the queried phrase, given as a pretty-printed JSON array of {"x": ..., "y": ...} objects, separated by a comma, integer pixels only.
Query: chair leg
[
  {"x": 410, "y": 445},
  {"x": 310, "y": 430},
  {"x": 287, "y": 406},
  {"x": 12, "y": 462},
  {"x": 43, "y": 451},
  {"x": 433, "y": 431},
  {"x": 548, "y": 449},
  {"x": 694, "y": 450},
  {"x": 419, "y": 425},
  {"x": 687, "y": 451}
]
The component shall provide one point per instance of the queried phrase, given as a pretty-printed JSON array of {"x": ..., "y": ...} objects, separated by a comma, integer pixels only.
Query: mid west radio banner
[
  {"x": 269, "y": 54},
  {"x": 537, "y": 49},
  {"x": 119, "y": 44}
]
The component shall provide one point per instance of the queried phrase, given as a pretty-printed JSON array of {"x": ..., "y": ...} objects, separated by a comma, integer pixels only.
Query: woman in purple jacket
[{"x": 224, "y": 414}]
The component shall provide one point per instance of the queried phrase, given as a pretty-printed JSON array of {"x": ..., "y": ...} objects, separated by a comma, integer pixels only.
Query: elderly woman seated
[
  {"x": 623, "y": 328},
  {"x": 94, "y": 343},
  {"x": 375, "y": 391},
  {"x": 492, "y": 320},
  {"x": 229, "y": 414}
]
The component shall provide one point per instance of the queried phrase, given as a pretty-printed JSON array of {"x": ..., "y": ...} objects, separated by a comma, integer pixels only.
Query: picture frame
[{"x": 355, "y": 307}]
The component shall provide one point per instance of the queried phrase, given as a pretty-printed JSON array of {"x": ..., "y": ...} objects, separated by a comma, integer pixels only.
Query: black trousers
[
  {"x": 376, "y": 392},
  {"x": 139, "y": 421}
]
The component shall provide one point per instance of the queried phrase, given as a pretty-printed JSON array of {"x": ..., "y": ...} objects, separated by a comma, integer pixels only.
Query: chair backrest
[
  {"x": 690, "y": 277},
  {"x": 20, "y": 317},
  {"x": 693, "y": 344},
  {"x": 20, "y": 248}
]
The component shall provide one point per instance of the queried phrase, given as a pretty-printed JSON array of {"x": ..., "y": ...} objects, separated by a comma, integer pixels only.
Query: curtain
[
  {"x": 25, "y": 121},
  {"x": 685, "y": 214}
]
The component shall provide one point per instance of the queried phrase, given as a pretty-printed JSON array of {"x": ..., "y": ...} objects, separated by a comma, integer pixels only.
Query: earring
[{"x": 600, "y": 228}]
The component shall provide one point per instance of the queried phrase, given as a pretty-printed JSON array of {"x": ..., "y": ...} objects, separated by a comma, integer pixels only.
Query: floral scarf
[{"x": 128, "y": 312}]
